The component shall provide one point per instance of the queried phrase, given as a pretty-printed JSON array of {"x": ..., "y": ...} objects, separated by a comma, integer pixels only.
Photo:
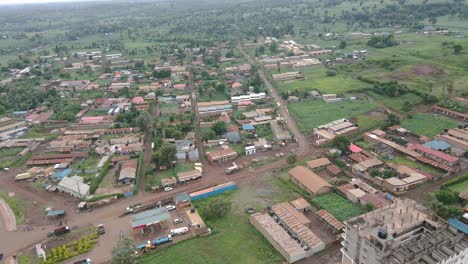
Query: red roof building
[
  {"x": 435, "y": 155},
  {"x": 138, "y": 100}
]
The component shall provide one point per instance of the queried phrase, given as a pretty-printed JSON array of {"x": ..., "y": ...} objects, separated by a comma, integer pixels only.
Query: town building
[
  {"x": 457, "y": 138},
  {"x": 221, "y": 155},
  {"x": 127, "y": 171},
  {"x": 318, "y": 164},
  {"x": 287, "y": 76},
  {"x": 407, "y": 179},
  {"x": 450, "y": 113},
  {"x": 330, "y": 221},
  {"x": 402, "y": 233},
  {"x": 74, "y": 186},
  {"x": 278, "y": 237},
  {"x": 309, "y": 181},
  {"x": 328, "y": 132},
  {"x": 280, "y": 132}
]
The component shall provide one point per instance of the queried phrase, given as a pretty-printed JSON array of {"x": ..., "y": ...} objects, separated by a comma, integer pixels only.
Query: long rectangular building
[{"x": 278, "y": 237}]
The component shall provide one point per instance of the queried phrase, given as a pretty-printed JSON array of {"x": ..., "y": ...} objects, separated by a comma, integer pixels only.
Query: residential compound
[{"x": 402, "y": 233}]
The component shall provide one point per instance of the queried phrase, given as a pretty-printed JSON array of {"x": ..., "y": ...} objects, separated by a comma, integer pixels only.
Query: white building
[{"x": 74, "y": 186}]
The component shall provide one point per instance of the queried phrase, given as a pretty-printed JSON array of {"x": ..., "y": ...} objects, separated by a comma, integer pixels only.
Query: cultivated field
[{"x": 338, "y": 206}]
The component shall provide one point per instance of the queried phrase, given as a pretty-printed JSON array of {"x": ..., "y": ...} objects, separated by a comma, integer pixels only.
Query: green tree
[
  {"x": 331, "y": 73},
  {"x": 207, "y": 133},
  {"x": 370, "y": 207},
  {"x": 342, "y": 44},
  {"x": 217, "y": 208},
  {"x": 291, "y": 159},
  {"x": 274, "y": 47},
  {"x": 166, "y": 154},
  {"x": 457, "y": 48},
  {"x": 446, "y": 197},
  {"x": 219, "y": 127},
  {"x": 123, "y": 252},
  {"x": 406, "y": 107},
  {"x": 342, "y": 143}
]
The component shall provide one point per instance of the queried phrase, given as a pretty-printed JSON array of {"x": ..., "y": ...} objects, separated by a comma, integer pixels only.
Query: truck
[
  {"x": 235, "y": 168},
  {"x": 59, "y": 231},
  {"x": 179, "y": 231},
  {"x": 23, "y": 176},
  {"x": 132, "y": 208},
  {"x": 162, "y": 240},
  {"x": 100, "y": 229}
]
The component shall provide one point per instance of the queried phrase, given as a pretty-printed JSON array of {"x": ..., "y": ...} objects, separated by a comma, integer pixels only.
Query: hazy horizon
[{"x": 22, "y": 2}]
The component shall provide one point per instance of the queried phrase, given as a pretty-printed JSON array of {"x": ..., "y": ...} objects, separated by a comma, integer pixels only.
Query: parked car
[
  {"x": 177, "y": 221},
  {"x": 167, "y": 189},
  {"x": 83, "y": 261},
  {"x": 170, "y": 207},
  {"x": 100, "y": 229}
]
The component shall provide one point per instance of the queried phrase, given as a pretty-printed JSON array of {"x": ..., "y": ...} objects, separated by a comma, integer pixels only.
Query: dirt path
[
  {"x": 7, "y": 216},
  {"x": 304, "y": 146}
]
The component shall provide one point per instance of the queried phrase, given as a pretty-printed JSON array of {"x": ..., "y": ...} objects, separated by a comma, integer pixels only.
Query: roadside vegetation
[{"x": 16, "y": 206}]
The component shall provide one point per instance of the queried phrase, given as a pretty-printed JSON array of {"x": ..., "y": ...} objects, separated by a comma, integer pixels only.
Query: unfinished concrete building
[{"x": 402, "y": 233}]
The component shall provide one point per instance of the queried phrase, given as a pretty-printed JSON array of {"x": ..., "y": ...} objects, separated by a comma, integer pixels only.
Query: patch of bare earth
[{"x": 424, "y": 70}]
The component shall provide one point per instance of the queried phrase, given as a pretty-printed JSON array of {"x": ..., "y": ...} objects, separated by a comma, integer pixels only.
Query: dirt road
[
  {"x": 109, "y": 215},
  {"x": 304, "y": 146}
]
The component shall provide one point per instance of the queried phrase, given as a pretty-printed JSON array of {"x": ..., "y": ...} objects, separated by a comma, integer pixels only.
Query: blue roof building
[
  {"x": 460, "y": 226},
  {"x": 248, "y": 127},
  {"x": 438, "y": 145}
]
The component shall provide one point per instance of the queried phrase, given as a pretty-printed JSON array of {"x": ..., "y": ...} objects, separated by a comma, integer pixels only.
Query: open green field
[
  {"x": 311, "y": 114},
  {"x": 16, "y": 206},
  {"x": 396, "y": 103},
  {"x": 338, "y": 206},
  {"x": 366, "y": 122},
  {"x": 217, "y": 96},
  {"x": 315, "y": 78},
  {"x": 412, "y": 164},
  {"x": 428, "y": 124},
  {"x": 421, "y": 62},
  {"x": 233, "y": 240}
]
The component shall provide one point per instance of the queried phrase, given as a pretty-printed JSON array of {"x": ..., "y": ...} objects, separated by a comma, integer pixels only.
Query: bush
[{"x": 331, "y": 73}]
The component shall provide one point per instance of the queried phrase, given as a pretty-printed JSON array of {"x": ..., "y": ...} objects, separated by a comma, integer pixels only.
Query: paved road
[{"x": 304, "y": 146}]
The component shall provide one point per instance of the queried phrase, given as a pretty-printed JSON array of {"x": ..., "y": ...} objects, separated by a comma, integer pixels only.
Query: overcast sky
[{"x": 12, "y": 2}]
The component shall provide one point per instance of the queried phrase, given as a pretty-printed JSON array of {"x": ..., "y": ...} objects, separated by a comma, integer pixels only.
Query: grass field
[
  {"x": 233, "y": 240},
  {"x": 366, "y": 122},
  {"x": 460, "y": 187},
  {"x": 410, "y": 163},
  {"x": 428, "y": 124},
  {"x": 396, "y": 103},
  {"x": 16, "y": 206},
  {"x": 217, "y": 96},
  {"x": 316, "y": 79},
  {"x": 338, "y": 206},
  {"x": 310, "y": 114}
]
